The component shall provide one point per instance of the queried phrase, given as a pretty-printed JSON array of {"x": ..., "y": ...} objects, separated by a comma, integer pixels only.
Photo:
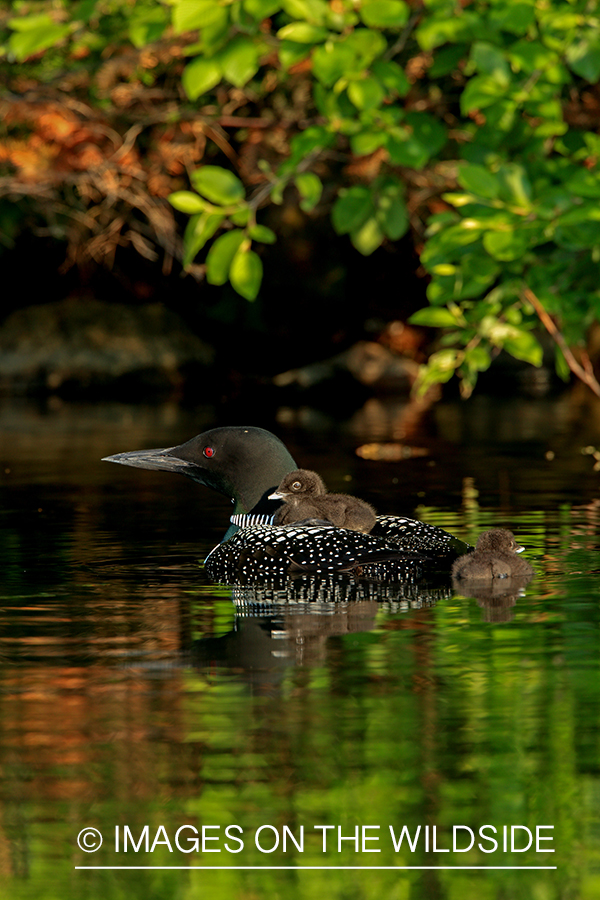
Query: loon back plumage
[{"x": 247, "y": 464}]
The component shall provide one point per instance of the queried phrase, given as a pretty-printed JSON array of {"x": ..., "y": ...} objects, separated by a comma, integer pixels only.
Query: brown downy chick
[
  {"x": 495, "y": 556},
  {"x": 306, "y": 497}
]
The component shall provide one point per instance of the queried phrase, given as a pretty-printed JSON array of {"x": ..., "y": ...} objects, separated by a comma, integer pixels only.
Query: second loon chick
[
  {"x": 495, "y": 556},
  {"x": 305, "y": 497}
]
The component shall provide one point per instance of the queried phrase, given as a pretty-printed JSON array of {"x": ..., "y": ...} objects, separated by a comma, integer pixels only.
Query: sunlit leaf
[
  {"x": 198, "y": 231},
  {"x": 218, "y": 185},
  {"x": 200, "y": 76},
  {"x": 313, "y": 11},
  {"x": 310, "y": 189},
  {"x": 34, "y": 34},
  {"x": 246, "y": 273},
  {"x": 368, "y": 237},
  {"x": 526, "y": 347},
  {"x": 366, "y": 93},
  {"x": 333, "y": 60},
  {"x": 302, "y": 33},
  {"x": 506, "y": 245},
  {"x": 260, "y": 9},
  {"x": 239, "y": 60},
  {"x": 187, "y": 202},
  {"x": 384, "y": 13},
  {"x": 220, "y": 256},
  {"x": 262, "y": 234},
  {"x": 433, "y": 317},
  {"x": 188, "y": 15}
]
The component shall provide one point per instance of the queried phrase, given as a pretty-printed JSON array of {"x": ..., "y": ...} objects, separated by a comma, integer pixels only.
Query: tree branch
[{"x": 584, "y": 374}]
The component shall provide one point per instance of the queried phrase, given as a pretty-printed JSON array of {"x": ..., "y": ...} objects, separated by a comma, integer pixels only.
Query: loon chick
[
  {"x": 495, "y": 556},
  {"x": 247, "y": 464},
  {"x": 306, "y": 497}
]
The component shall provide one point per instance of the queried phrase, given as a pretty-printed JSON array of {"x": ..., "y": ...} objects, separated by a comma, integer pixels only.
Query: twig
[{"x": 584, "y": 374}]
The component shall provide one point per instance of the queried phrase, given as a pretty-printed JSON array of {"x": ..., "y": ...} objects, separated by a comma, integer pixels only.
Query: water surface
[{"x": 134, "y": 693}]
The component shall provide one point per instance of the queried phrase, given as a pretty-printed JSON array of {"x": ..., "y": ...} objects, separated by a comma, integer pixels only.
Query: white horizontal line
[{"x": 318, "y": 868}]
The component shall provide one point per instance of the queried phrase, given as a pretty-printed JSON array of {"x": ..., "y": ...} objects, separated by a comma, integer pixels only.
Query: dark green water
[{"x": 134, "y": 693}]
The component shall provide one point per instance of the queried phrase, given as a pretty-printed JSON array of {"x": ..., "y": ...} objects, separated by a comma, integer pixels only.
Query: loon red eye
[{"x": 209, "y": 452}]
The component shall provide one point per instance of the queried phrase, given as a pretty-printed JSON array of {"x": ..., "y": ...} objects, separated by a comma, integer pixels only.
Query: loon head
[{"x": 245, "y": 464}]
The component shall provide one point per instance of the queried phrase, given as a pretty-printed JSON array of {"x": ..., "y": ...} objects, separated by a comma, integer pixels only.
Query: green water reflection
[{"x": 133, "y": 693}]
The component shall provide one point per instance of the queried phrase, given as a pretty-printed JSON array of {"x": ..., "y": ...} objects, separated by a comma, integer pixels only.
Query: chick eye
[
  {"x": 208, "y": 452},
  {"x": 296, "y": 486}
]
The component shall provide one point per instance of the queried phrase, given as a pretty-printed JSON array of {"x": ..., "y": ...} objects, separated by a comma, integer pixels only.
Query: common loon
[
  {"x": 305, "y": 497},
  {"x": 495, "y": 556},
  {"x": 247, "y": 464}
]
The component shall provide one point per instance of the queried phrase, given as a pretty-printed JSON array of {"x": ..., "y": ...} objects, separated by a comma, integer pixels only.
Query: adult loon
[
  {"x": 247, "y": 464},
  {"x": 305, "y": 497},
  {"x": 495, "y": 556}
]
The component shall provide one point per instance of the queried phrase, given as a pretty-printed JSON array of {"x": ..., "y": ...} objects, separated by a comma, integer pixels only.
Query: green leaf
[
  {"x": 440, "y": 368},
  {"x": 216, "y": 31},
  {"x": 188, "y": 15},
  {"x": 303, "y": 33},
  {"x": 481, "y": 91},
  {"x": 366, "y": 142},
  {"x": 354, "y": 205},
  {"x": 442, "y": 28},
  {"x": 512, "y": 16},
  {"x": 366, "y": 44},
  {"x": 187, "y": 202},
  {"x": 391, "y": 75},
  {"x": 246, "y": 273},
  {"x": 31, "y": 23},
  {"x": 310, "y": 189},
  {"x": 490, "y": 60},
  {"x": 583, "y": 58},
  {"x": 506, "y": 245},
  {"x": 315, "y": 137},
  {"x": 291, "y": 53},
  {"x": 561, "y": 365},
  {"x": 262, "y": 234},
  {"x": 415, "y": 145},
  {"x": 218, "y": 185},
  {"x": 524, "y": 346},
  {"x": 200, "y": 76},
  {"x": 584, "y": 183},
  {"x": 515, "y": 186},
  {"x": 332, "y": 61},
  {"x": 260, "y": 9},
  {"x": 366, "y": 93},
  {"x": 433, "y": 317},
  {"x": 405, "y": 150},
  {"x": 447, "y": 60},
  {"x": 313, "y": 11},
  {"x": 34, "y": 34},
  {"x": 478, "y": 358},
  {"x": 368, "y": 237},
  {"x": 391, "y": 212},
  {"x": 239, "y": 60},
  {"x": 198, "y": 231},
  {"x": 384, "y": 13},
  {"x": 147, "y": 25},
  {"x": 220, "y": 256},
  {"x": 428, "y": 130},
  {"x": 479, "y": 180}
]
